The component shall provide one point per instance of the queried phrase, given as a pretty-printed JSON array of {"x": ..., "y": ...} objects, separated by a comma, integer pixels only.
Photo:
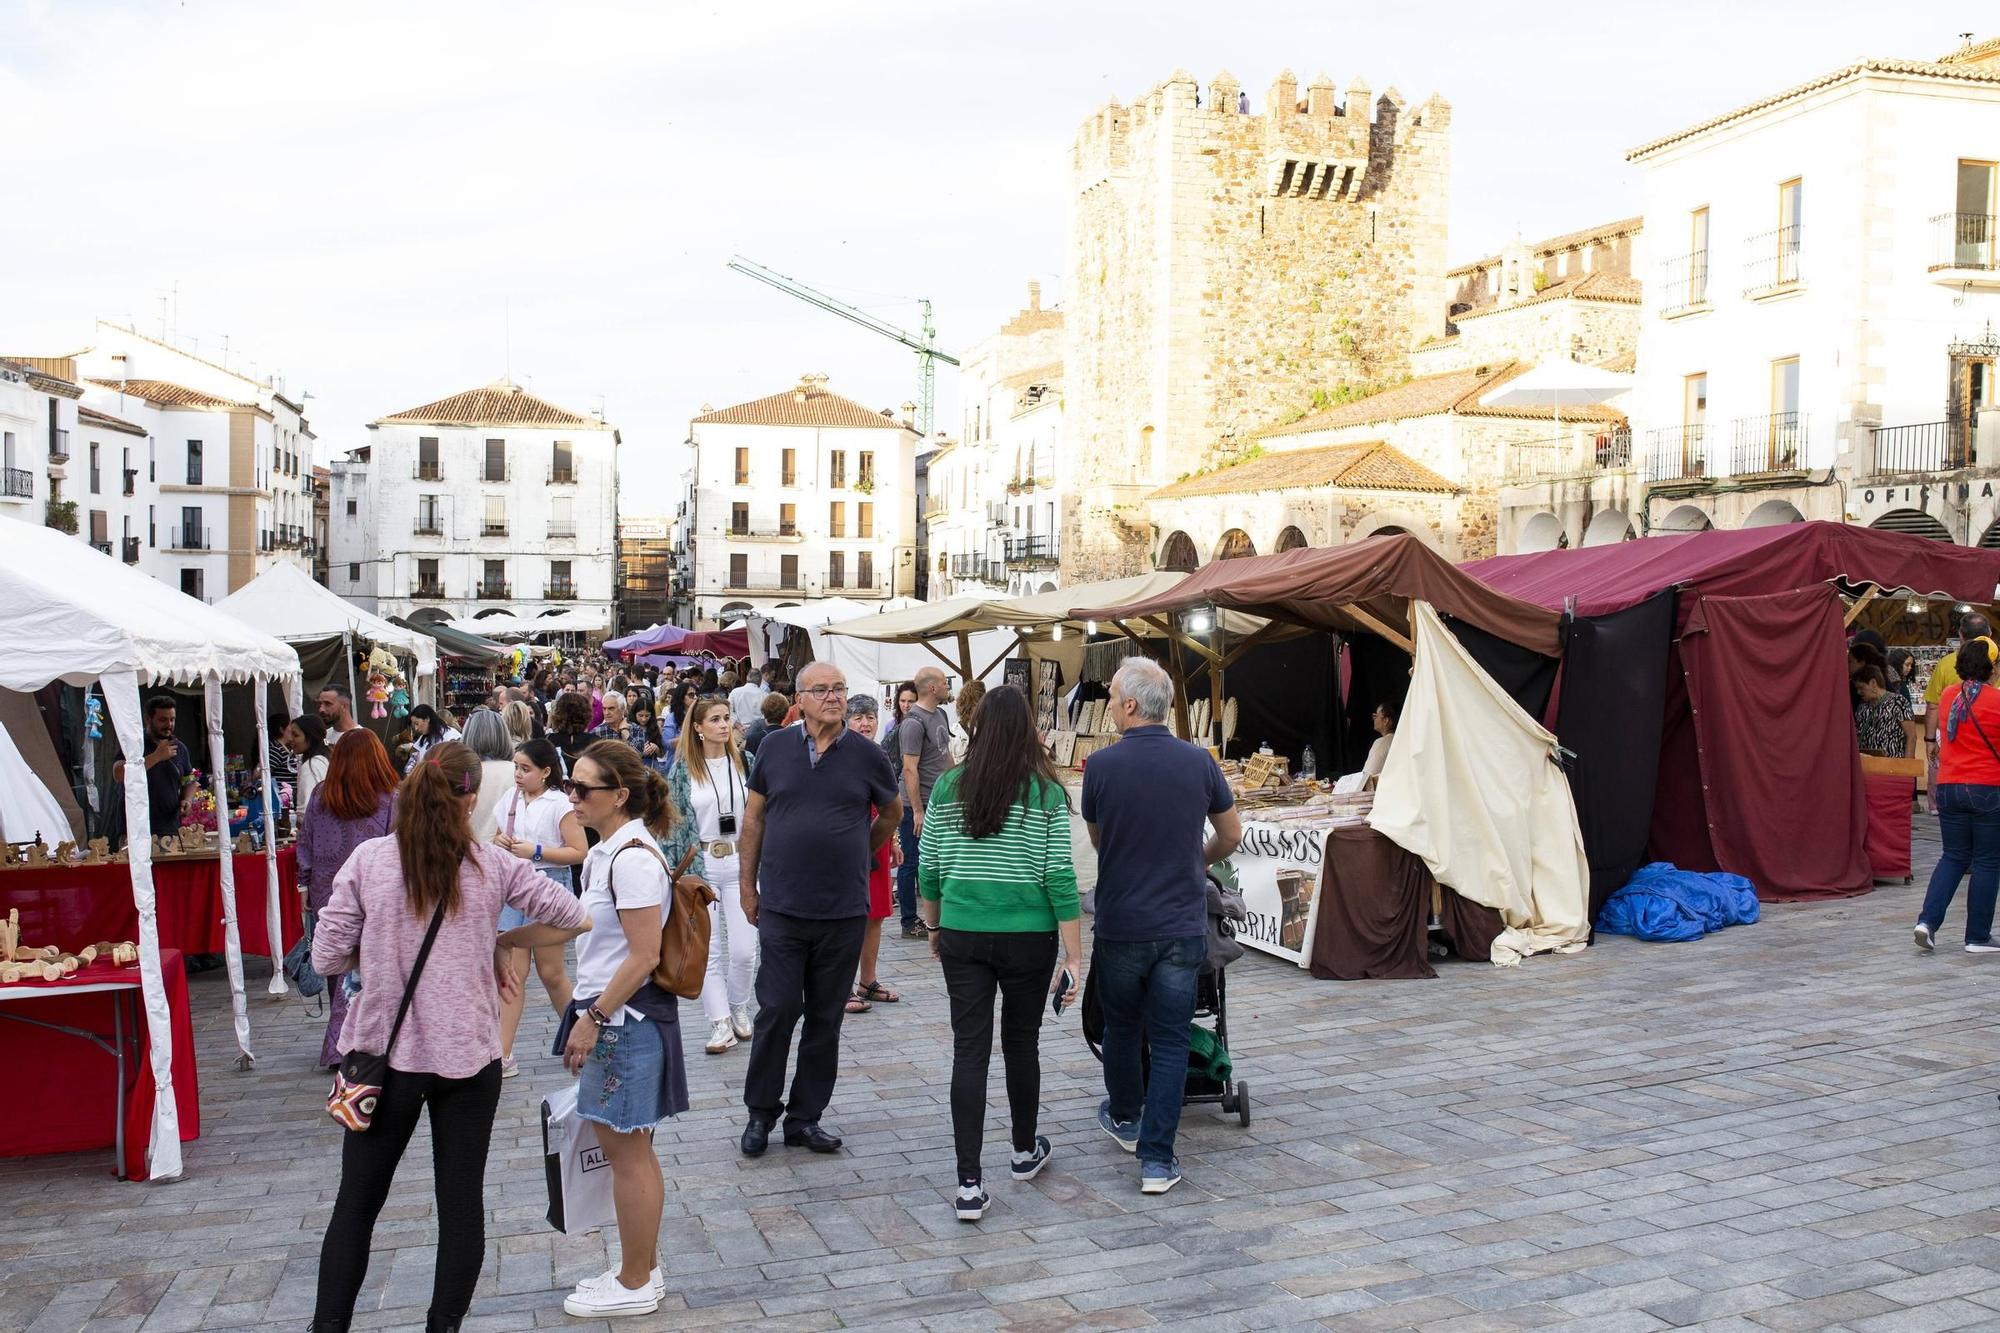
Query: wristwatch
[{"x": 597, "y": 1016}]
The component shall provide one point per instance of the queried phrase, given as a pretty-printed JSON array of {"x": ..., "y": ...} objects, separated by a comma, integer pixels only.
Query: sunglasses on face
[{"x": 571, "y": 787}]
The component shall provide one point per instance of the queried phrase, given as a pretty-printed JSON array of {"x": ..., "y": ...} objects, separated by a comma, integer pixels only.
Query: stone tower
[{"x": 1223, "y": 267}]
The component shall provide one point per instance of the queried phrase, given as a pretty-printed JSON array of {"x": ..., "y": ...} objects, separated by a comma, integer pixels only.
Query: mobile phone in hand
[{"x": 1065, "y": 983}]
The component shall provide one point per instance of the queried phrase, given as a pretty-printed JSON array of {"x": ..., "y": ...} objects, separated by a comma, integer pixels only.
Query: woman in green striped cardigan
[{"x": 997, "y": 887}]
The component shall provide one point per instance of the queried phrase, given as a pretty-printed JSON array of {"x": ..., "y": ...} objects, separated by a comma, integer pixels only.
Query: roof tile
[
  {"x": 502, "y": 403},
  {"x": 163, "y": 394},
  {"x": 1373, "y": 465},
  {"x": 805, "y": 405},
  {"x": 1450, "y": 391}
]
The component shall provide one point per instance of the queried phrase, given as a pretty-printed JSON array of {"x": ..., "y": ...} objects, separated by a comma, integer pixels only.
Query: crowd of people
[{"x": 582, "y": 806}]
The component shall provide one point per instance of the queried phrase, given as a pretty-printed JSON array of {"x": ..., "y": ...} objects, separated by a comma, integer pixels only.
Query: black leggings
[
  {"x": 1018, "y": 965},
  {"x": 462, "y": 1112}
]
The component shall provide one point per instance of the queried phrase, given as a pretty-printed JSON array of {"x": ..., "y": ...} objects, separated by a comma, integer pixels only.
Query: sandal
[
  {"x": 877, "y": 992},
  {"x": 856, "y": 1004}
]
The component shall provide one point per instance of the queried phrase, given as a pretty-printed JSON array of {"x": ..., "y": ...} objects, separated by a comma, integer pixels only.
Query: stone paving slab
[{"x": 1785, "y": 1126}]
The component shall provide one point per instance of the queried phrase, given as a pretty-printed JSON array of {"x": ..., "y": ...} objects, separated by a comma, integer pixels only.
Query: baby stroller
[{"x": 1209, "y": 1079}]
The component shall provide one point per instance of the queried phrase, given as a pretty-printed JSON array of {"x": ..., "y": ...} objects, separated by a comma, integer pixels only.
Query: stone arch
[
  {"x": 1046, "y": 587},
  {"x": 1914, "y": 523},
  {"x": 1291, "y": 539},
  {"x": 1773, "y": 513},
  {"x": 1686, "y": 518},
  {"x": 1543, "y": 532},
  {"x": 1991, "y": 539},
  {"x": 1391, "y": 523},
  {"x": 782, "y": 605},
  {"x": 1177, "y": 553},
  {"x": 1235, "y": 545},
  {"x": 428, "y": 615},
  {"x": 491, "y": 611},
  {"x": 1608, "y": 527},
  {"x": 728, "y": 609}
]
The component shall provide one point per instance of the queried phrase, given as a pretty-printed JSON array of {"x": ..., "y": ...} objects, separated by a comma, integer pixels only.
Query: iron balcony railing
[
  {"x": 1768, "y": 444},
  {"x": 17, "y": 483},
  {"x": 101, "y": 546},
  {"x": 1571, "y": 456},
  {"x": 492, "y": 592},
  {"x": 1773, "y": 265},
  {"x": 493, "y": 527},
  {"x": 187, "y": 539},
  {"x": 763, "y": 582},
  {"x": 131, "y": 550},
  {"x": 562, "y": 476},
  {"x": 131, "y": 480},
  {"x": 1034, "y": 549},
  {"x": 58, "y": 446},
  {"x": 427, "y": 592},
  {"x": 428, "y": 472},
  {"x": 559, "y": 592},
  {"x": 431, "y": 526},
  {"x": 565, "y": 528},
  {"x": 487, "y": 472},
  {"x": 1933, "y": 446},
  {"x": 1677, "y": 453},
  {"x": 1965, "y": 240},
  {"x": 1684, "y": 284}
]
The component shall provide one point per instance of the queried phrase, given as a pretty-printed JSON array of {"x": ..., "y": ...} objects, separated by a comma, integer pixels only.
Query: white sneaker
[
  {"x": 610, "y": 1300},
  {"x": 610, "y": 1276},
  {"x": 1924, "y": 937},
  {"x": 739, "y": 1019},
  {"x": 720, "y": 1037},
  {"x": 1982, "y": 946}
]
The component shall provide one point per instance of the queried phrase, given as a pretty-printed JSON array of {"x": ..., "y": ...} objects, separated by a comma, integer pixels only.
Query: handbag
[
  {"x": 298, "y": 967},
  {"x": 574, "y": 1164},
  {"x": 357, "y": 1086},
  {"x": 683, "y": 963}
]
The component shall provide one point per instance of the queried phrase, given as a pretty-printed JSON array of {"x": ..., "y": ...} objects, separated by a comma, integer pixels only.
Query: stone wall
[{"x": 1224, "y": 265}]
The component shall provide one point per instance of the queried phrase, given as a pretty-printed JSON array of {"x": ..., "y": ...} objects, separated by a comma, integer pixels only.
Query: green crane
[{"x": 924, "y": 344}]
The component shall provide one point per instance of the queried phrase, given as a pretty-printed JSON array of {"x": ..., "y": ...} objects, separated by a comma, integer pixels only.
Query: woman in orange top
[{"x": 1968, "y": 801}]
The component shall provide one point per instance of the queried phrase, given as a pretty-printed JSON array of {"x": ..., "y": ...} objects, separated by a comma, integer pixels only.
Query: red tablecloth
[
  {"x": 1887, "y": 838},
  {"x": 73, "y": 906},
  {"x": 64, "y": 1084}
]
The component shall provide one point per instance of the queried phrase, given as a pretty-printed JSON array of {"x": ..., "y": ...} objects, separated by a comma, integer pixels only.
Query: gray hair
[
  {"x": 486, "y": 735},
  {"x": 614, "y": 697},
  {"x": 1147, "y": 684},
  {"x": 862, "y": 705}
]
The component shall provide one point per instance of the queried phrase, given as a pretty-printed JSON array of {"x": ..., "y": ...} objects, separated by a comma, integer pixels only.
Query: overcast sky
[{"x": 366, "y": 196}]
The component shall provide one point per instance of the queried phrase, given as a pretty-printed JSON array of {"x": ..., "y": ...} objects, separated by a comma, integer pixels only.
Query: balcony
[
  {"x": 131, "y": 552},
  {"x": 187, "y": 539},
  {"x": 1964, "y": 249},
  {"x": 428, "y": 526},
  {"x": 979, "y": 568},
  {"x": 17, "y": 483},
  {"x": 1677, "y": 454},
  {"x": 493, "y": 527},
  {"x": 1773, "y": 267},
  {"x": 563, "y": 476},
  {"x": 131, "y": 480},
  {"x": 59, "y": 446},
  {"x": 1035, "y": 551},
  {"x": 562, "y": 591},
  {"x": 1768, "y": 446},
  {"x": 104, "y": 547},
  {"x": 1684, "y": 285},
  {"x": 492, "y": 592},
  {"x": 1934, "y": 446},
  {"x": 428, "y": 472},
  {"x": 762, "y": 582},
  {"x": 564, "y": 529},
  {"x": 427, "y": 592},
  {"x": 1570, "y": 456},
  {"x": 781, "y": 532}
]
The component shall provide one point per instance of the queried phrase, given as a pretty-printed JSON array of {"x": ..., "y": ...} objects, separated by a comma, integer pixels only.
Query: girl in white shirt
[
  {"x": 537, "y": 825},
  {"x": 710, "y": 784}
]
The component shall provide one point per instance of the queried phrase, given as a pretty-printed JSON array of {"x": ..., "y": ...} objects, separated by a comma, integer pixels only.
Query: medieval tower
[{"x": 1226, "y": 266}]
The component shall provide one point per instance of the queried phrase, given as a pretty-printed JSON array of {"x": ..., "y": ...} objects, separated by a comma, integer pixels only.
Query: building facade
[
  {"x": 490, "y": 501},
  {"x": 645, "y": 573},
  {"x": 796, "y": 496},
  {"x": 1818, "y": 331},
  {"x": 1224, "y": 265}
]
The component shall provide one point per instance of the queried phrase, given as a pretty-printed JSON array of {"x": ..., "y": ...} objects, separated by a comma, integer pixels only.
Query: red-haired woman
[{"x": 356, "y": 801}]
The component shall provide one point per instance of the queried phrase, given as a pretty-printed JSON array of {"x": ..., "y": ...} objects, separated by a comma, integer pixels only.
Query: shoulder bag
[
  {"x": 683, "y": 965},
  {"x": 357, "y": 1087}
]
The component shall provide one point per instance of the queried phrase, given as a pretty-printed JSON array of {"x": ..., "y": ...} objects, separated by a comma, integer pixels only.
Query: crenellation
[{"x": 1319, "y": 98}]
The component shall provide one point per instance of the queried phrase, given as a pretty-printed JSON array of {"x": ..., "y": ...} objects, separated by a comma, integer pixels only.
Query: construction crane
[{"x": 924, "y": 344}]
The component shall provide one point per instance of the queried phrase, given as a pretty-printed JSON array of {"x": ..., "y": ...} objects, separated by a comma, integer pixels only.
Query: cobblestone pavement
[{"x": 1788, "y": 1126}]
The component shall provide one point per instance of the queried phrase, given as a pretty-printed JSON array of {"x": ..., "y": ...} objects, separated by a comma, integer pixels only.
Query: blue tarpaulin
[{"x": 1663, "y": 902}]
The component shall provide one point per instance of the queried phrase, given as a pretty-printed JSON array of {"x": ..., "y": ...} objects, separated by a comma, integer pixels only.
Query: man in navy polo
[
  {"x": 1144, "y": 801},
  {"x": 807, "y": 844}
]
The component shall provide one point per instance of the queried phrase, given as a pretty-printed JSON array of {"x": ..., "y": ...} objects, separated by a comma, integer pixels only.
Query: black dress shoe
[
  {"x": 811, "y": 1136},
  {"x": 756, "y": 1136}
]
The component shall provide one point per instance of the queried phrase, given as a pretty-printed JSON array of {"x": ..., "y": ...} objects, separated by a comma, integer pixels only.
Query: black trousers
[
  {"x": 806, "y": 972},
  {"x": 462, "y": 1112},
  {"x": 1018, "y": 965}
]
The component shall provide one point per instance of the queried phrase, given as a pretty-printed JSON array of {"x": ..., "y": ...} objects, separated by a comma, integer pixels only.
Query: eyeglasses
[
  {"x": 826, "y": 691},
  {"x": 571, "y": 787}
]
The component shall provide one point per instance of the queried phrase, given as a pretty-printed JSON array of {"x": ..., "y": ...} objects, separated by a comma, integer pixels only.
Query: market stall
[
  {"x": 328, "y": 631},
  {"x": 75, "y": 615},
  {"x": 71, "y": 906},
  {"x": 467, "y": 664}
]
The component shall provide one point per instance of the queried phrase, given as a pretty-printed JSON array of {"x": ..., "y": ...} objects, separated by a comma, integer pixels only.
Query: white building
[
  {"x": 491, "y": 501},
  {"x": 993, "y": 518},
  {"x": 1820, "y": 293},
  {"x": 801, "y": 495},
  {"x": 38, "y": 421}
]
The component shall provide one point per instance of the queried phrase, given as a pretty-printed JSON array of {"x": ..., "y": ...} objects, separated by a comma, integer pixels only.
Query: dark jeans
[
  {"x": 976, "y": 963},
  {"x": 906, "y": 874},
  {"x": 1147, "y": 989},
  {"x": 1969, "y": 820},
  {"x": 806, "y": 973},
  {"x": 461, "y": 1127}
]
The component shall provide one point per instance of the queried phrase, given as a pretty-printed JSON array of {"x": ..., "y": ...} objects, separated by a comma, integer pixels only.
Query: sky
[{"x": 389, "y": 203}]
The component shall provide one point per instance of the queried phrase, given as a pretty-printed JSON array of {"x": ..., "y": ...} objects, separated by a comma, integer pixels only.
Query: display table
[
  {"x": 72, "y": 906},
  {"x": 79, "y": 1049},
  {"x": 1886, "y": 840}
]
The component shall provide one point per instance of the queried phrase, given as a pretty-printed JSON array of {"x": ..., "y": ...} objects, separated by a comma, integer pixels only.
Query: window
[
  {"x": 1694, "y": 401},
  {"x": 836, "y": 470},
  {"x": 1972, "y": 232},
  {"x": 194, "y": 463},
  {"x": 836, "y": 519},
  {"x": 7, "y": 449},
  {"x": 427, "y": 459},
  {"x": 788, "y": 571},
  {"x": 559, "y": 571},
  {"x": 495, "y": 524},
  {"x": 96, "y": 480},
  {"x": 125, "y": 472},
  {"x": 836, "y": 569},
  {"x": 493, "y": 578},
  {"x": 427, "y": 578},
  {"x": 190, "y": 534},
  {"x": 563, "y": 468},
  {"x": 739, "y": 571},
  {"x": 1791, "y": 206},
  {"x": 1784, "y": 434},
  {"x": 152, "y": 527},
  {"x": 562, "y": 522},
  {"x": 427, "y": 514},
  {"x": 496, "y": 461},
  {"x": 739, "y": 518},
  {"x": 864, "y": 519},
  {"x": 353, "y": 506},
  {"x": 191, "y": 583},
  {"x": 152, "y": 460},
  {"x": 1697, "y": 273},
  {"x": 100, "y": 528},
  {"x": 790, "y": 464},
  {"x": 742, "y": 467},
  {"x": 788, "y": 520},
  {"x": 864, "y": 573},
  {"x": 353, "y": 573},
  {"x": 867, "y": 469}
]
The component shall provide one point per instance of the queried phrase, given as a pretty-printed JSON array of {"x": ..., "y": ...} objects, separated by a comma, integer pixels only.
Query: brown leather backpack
[{"x": 683, "y": 923}]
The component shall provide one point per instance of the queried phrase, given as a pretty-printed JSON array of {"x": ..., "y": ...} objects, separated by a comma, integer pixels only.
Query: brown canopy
[{"x": 1366, "y": 586}]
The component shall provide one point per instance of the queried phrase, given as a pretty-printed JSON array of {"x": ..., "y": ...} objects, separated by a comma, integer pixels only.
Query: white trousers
[{"x": 732, "y": 944}]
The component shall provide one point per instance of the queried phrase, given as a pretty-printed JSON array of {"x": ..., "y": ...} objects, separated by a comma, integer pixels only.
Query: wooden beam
[
  {"x": 1868, "y": 595},
  {"x": 1369, "y": 622},
  {"x": 931, "y": 648},
  {"x": 1020, "y": 637}
]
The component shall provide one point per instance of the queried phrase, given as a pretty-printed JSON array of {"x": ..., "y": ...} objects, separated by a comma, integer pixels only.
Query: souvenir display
[{"x": 19, "y": 962}]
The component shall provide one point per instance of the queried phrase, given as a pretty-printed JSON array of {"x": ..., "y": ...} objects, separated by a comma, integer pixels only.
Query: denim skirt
[{"x": 620, "y": 1086}]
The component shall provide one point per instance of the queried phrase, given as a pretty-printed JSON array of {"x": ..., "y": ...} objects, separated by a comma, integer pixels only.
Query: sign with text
[{"x": 1277, "y": 869}]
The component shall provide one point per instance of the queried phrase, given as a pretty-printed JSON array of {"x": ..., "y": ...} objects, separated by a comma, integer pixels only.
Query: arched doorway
[
  {"x": 1991, "y": 539},
  {"x": 1772, "y": 513},
  {"x": 428, "y": 615},
  {"x": 1608, "y": 527},
  {"x": 1912, "y": 523},
  {"x": 1177, "y": 553},
  {"x": 1686, "y": 518},
  {"x": 1543, "y": 532},
  {"x": 1235, "y": 545},
  {"x": 1291, "y": 539},
  {"x": 1046, "y": 587},
  {"x": 736, "y": 610}
]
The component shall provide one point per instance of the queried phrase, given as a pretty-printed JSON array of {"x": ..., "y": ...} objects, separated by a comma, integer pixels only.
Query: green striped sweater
[{"x": 1020, "y": 879}]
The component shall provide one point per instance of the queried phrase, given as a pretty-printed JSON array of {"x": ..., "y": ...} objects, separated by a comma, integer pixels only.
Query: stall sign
[{"x": 1277, "y": 869}]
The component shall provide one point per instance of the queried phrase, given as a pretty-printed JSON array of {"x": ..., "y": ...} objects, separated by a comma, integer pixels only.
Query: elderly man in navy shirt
[
  {"x": 1145, "y": 800},
  {"x": 821, "y": 803}
]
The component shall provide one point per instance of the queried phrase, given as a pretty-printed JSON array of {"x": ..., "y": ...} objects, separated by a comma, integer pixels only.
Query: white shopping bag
[{"x": 579, "y": 1173}]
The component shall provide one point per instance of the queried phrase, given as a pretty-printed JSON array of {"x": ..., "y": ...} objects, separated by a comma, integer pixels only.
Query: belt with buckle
[{"x": 721, "y": 850}]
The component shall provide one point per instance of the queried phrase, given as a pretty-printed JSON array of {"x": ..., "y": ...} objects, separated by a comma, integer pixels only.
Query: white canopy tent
[
  {"x": 28, "y": 809},
  {"x": 585, "y": 620},
  {"x": 286, "y": 604},
  {"x": 74, "y": 615},
  {"x": 765, "y": 628}
]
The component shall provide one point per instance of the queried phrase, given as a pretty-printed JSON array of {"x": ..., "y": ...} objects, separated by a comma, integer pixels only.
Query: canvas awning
[
  {"x": 286, "y": 604},
  {"x": 584, "y": 620},
  {"x": 456, "y": 643}
]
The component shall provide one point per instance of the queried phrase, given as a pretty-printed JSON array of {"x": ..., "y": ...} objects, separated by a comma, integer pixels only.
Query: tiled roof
[
  {"x": 91, "y": 416},
  {"x": 503, "y": 403},
  {"x": 162, "y": 394},
  {"x": 1585, "y": 287},
  {"x": 1555, "y": 245},
  {"x": 1373, "y": 466},
  {"x": 1451, "y": 391},
  {"x": 804, "y": 405},
  {"x": 1625, "y": 363},
  {"x": 1966, "y": 72}
]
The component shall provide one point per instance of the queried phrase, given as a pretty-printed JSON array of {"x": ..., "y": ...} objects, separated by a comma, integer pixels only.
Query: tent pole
[
  {"x": 1868, "y": 595},
  {"x": 965, "y": 656},
  {"x": 1019, "y": 639},
  {"x": 1217, "y": 705},
  {"x": 928, "y": 647},
  {"x": 1370, "y": 623},
  {"x": 347, "y": 648}
]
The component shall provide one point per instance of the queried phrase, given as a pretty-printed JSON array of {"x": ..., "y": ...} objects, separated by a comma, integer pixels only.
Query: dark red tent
[{"x": 1713, "y": 663}]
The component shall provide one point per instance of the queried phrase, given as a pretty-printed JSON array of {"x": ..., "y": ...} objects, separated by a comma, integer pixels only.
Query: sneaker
[
  {"x": 972, "y": 1202},
  {"x": 1982, "y": 946},
  {"x": 739, "y": 1021},
  {"x": 610, "y": 1275},
  {"x": 1125, "y": 1131},
  {"x": 509, "y": 1066},
  {"x": 595, "y": 1299},
  {"x": 916, "y": 932},
  {"x": 1159, "y": 1177},
  {"x": 1029, "y": 1164},
  {"x": 720, "y": 1037},
  {"x": 1925, "y": 937}
]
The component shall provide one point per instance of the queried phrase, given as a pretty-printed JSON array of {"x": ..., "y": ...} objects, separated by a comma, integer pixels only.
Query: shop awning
[{"x": 456, "y": 643}]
